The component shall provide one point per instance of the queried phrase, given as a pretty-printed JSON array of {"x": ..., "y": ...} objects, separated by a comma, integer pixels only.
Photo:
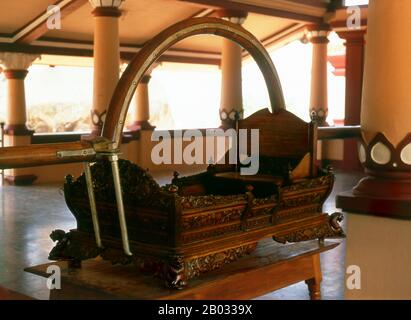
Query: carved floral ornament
[
  {"x": 234, "y": 16},
  {"x": 16, "y": 60},
  {"x": 231, "y": 115},
  {"x": 237, "y": 20},
  {"x": 98, "y": 118},
  {"x": 318, "y": 114},
  {"x": 380, "y": 153},
  {"x": 106, "y": 8},
  {"x": 318, "y": 33}
]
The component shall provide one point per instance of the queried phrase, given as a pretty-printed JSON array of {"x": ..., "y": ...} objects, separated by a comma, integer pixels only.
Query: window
[
  {"x": 185, "y": 96},
  {"x": 59, "y": 98},
  {"x": 293, "y": 63}
]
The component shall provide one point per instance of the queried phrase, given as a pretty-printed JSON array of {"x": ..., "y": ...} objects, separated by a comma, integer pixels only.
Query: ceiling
[
  {"x": 17, "y": 13},
  {"x": 23, "y": 27}
]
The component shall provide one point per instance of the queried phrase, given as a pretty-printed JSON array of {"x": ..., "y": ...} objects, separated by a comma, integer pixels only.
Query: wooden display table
[{"x": 270, "y": 267}]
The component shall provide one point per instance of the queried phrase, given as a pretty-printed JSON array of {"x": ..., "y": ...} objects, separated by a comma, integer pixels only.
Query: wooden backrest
[{"x": 282, "y": 135}]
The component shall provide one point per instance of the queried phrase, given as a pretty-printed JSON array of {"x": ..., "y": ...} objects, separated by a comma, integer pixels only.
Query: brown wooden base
[
  {"x": 23, "y": 180},
  {"x": 270, "y": 267},
  {"x": 385, "y": 207}
]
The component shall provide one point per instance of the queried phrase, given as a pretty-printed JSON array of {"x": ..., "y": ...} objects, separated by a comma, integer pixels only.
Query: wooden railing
[
  {"x": 46, "y": 149},
  {"x": 40, "y": 138},
  {"x": 334, "y": 133},
  {"x": 324, "y": 133}
]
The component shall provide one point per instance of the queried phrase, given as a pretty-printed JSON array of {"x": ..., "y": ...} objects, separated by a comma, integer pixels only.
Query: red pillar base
[
  {"x": 378, "y": 196},
  {"x": 384, "y": 188}
]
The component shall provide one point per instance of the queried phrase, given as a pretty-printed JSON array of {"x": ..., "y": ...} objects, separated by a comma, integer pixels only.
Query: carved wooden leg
[
  {"x": 174, "y": 273},
  {"x": 314, "y": 288},
  {"x": 314, "y": 284}
]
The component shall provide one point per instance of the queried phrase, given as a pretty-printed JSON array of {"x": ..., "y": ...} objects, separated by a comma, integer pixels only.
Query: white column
[
  {"x": 231, "y": 81},
  {"x": 141, "y": 107},
  {"x": 319, "y": 83},
  {"x": 386, "y": 99},
  {"x": 378, "y": 247},
  {"x": 106, "y": 58},
  {"x": 15, "y": 68}
]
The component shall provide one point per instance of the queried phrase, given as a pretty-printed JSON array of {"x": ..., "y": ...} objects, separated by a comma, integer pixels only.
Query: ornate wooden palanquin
[{"x": 196, "y": 223}]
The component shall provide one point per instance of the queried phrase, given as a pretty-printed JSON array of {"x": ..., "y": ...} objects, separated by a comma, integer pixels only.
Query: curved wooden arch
[{"x": 117, "y": 111}]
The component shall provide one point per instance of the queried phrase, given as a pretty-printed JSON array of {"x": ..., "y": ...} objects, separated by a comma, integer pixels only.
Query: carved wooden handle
[
  {"x": 145, "y": 58},
  {"x": 45, "y": 154}
]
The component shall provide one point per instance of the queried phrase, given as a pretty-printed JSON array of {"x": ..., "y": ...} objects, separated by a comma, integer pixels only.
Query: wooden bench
[{"x": 270, "y": 267}]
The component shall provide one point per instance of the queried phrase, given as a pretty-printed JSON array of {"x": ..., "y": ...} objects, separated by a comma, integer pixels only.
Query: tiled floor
[{"x": 29, "y": 214}]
